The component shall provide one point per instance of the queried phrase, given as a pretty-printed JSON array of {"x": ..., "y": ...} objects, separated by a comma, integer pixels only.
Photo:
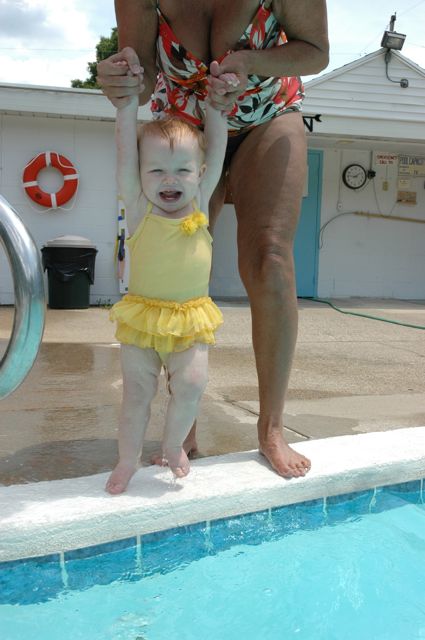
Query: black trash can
[{"x": 70, "y": 262}]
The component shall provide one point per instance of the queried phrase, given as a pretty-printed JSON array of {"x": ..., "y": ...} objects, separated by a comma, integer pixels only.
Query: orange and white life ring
[{"x": 67, "y": 169}]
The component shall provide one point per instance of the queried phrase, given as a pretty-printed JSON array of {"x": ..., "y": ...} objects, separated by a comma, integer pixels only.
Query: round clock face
[{"x": 354, "y": 176}]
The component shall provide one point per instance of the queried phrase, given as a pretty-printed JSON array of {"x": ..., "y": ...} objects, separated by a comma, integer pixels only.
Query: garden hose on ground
[{"x": 362, "y": 315}]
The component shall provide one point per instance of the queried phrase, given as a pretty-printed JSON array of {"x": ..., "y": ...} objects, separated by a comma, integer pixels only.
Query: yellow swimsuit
[{"x": 168, "y": 308}]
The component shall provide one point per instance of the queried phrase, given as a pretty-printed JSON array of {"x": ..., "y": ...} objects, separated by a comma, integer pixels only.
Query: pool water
[{"x": 346, "y": 568}]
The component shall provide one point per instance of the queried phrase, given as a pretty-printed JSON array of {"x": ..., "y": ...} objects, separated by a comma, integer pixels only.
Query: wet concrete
[{"x": 350, "y": 375}]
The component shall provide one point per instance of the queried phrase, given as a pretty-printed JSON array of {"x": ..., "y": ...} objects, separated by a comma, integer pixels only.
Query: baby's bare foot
[
  {"x": 177, "y": 460},
  {"x": 190, "y": 448},
  {"x": 120, "y": 477}
]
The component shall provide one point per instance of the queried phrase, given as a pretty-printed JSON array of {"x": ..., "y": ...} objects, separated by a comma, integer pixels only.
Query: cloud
[
  {"x": 99, "y": 21},
  {"x": 43, "y": 70},
  {"x": 50, "y": 42},
  {"x": 46, "y": 42},
  {"x": 20, "y": 20},
  {"x": 44, "y": 24}
]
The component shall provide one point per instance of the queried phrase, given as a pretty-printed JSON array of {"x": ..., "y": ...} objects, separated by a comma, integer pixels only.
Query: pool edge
[{"x": 61, "y": 515}]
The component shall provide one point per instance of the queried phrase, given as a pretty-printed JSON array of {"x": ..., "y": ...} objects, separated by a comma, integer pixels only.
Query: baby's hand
[
  {"x": 124, "y": 65},
  {"x": 224, "y": 88},
  {"x": 228, "y": 83},
  {"x": 121, "y": 76},
  {"x": 231, "y": 79},
  {"x": 125, "y": 70}
]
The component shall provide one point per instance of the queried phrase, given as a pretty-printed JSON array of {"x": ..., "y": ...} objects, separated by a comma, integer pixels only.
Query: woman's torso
[
  {"x": 193, "y": 33},
  {"x": 167, "y": 264},
  {"x": 209, "y": 28}
]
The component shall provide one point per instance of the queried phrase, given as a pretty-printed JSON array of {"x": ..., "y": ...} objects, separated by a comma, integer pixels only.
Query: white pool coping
[{"x": 52, "y": 517}]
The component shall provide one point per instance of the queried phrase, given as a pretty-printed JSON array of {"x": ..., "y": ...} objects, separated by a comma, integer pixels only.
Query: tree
[{"x": 104, "y": 48}]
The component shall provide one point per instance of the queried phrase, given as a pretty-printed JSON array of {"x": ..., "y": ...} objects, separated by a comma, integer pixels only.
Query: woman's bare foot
[
  {"x": 177, "y": 460},
  {"x": 120, "y": 477},
  {"x": 284, "y": 460}
]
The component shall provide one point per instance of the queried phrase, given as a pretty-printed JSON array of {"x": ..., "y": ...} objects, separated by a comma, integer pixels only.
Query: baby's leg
[
  {"x": 188, "y": 376},
  {"x": 140, "y": 370}
]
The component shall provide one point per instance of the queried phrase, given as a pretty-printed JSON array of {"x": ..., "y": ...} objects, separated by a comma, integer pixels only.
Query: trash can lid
[{"x": 70, "y": 241}]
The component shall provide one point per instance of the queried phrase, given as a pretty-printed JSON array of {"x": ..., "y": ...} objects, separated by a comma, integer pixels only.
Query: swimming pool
[
  {"x": 350, "y": 566},
  {"x": 293, "y": 562}
]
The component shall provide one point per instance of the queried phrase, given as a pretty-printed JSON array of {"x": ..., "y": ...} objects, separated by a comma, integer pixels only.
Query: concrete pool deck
[
  {"x": 352, "y": 377},
  {"x": 39, "y": 519}
]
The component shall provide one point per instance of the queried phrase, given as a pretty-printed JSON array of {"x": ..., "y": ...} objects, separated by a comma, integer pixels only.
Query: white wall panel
[
  {"x": 361, "y": 89},
  {"x": 366, "y": 256},
  {"x": 225, "y": 280},
  {"x": 90, "y": 147},
  {"x": 360, "y": 256}
]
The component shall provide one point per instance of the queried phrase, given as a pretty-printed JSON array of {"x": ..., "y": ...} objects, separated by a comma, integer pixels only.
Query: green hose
[{"x": 362, "y": 315}]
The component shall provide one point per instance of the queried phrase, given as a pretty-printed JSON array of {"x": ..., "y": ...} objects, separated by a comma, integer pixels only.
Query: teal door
[{"x": 306, "y": 239}]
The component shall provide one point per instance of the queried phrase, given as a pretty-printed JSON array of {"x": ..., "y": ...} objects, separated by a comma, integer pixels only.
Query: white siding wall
[
  {"x": 225, "y": 280},
  {"x": 365, "y": 256},
  {"x": 359, "y": 256},
  {"x": 364, "y": 91},
  {"x": 90, "y": 147}
]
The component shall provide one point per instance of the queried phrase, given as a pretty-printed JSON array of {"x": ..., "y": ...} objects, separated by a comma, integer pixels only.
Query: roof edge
[
  {"x": 38, "y": 87},
  {"x": 358, "y": 63}
]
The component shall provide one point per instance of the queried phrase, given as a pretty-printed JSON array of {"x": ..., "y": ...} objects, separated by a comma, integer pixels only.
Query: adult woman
[{"x": 265, "y": 166}]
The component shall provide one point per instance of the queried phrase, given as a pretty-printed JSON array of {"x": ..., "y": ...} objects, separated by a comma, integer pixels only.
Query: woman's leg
[
  {"x": 188, "y": 376},
  {"x": 140, "y": 370},
  {"x": 190, "y": 444},
  {"x": 267, "y": 178}
]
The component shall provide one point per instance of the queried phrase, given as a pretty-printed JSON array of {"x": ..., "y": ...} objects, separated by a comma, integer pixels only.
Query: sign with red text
[{"x": 385, "y": 158}]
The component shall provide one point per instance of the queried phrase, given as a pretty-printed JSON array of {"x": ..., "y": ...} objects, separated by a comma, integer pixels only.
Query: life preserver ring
[{"x": 67, "y": 169}]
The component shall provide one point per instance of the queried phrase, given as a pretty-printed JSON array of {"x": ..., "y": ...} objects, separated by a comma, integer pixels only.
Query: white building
[
  {"x": 366, "y": 119},
  {"x": 372, "y": 121}
]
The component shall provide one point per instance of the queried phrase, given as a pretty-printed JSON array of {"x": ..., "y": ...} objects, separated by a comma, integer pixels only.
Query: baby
[{"x": 166, "y": 175}]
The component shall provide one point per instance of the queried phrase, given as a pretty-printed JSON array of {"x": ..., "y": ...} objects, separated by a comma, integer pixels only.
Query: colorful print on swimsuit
[{"x": 181, "y": 87}]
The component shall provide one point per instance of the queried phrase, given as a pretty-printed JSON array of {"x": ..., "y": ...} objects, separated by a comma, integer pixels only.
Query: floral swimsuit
[{"x": 182, "y": 80}]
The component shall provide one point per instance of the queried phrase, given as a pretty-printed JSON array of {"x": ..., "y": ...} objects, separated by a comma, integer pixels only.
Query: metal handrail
[{"x": 30, "y": 305}]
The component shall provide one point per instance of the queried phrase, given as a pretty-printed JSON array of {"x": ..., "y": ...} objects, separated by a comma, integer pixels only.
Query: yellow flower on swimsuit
[{"x": 190, "y": 224}]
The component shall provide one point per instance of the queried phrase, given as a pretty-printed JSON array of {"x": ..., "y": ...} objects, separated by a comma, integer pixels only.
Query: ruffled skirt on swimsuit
[{"x": 163, "y": 325}]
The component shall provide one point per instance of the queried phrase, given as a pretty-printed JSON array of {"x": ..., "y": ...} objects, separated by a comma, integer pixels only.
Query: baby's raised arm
[
  {"x": 128, "y": 173},
  {"x": 216, "y": 138}
]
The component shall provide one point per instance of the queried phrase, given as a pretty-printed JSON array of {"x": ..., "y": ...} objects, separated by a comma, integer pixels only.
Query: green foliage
[{"x": 104, "y": 48}]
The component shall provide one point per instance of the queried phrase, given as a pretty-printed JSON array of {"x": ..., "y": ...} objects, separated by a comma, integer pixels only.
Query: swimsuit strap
[{"x": 196, "y": 209}]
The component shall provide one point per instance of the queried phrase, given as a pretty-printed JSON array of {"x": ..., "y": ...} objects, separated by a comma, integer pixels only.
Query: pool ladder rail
[{"x": 30, "y": 305}]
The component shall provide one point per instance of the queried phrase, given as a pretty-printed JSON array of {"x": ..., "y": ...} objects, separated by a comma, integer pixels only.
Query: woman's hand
[
  {"x": 228, "y": 80},
  {"x": 121, "y": 77}
]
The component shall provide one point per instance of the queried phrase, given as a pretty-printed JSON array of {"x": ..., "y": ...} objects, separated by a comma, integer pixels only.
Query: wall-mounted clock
[{"x": 354, "y": 176}]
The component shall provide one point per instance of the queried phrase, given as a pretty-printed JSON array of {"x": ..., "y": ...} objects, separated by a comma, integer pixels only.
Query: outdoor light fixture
[{"x": 392, "y": 40}]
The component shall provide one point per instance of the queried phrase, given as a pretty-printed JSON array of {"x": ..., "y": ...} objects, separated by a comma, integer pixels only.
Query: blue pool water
[{"x": 346, "y": 568}]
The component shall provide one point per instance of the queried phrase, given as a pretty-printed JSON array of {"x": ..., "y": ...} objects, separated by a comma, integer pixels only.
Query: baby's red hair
[{"x": 172, "y": 128}]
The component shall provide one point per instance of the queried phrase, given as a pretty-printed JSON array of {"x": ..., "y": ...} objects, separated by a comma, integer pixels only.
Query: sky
[{"x": 49, "y": 42}]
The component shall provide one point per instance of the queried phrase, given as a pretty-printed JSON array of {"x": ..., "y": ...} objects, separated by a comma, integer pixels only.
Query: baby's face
[{"x": 170, "y": 177}]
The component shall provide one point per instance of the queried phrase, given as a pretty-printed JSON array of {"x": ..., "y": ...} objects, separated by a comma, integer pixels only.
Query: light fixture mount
[{"x": 393, "y": 41}]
